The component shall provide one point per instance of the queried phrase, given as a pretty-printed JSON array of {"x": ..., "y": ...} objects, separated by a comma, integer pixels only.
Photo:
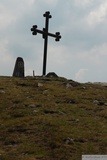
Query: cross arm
[
  {"x": 44, "y": 33},
  {"x": 56, "y": 35}
]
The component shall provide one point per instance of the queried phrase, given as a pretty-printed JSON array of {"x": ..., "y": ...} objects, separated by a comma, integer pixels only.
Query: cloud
[
  {"x": 82, "y": 49},
  {"x": 51, "y": 2},
  {"x": 95, "y": 55},
  {"x": 6, "y": 60},
  {"x": 81, "y": 75},
  {"x": 83, "y": 3},
  {"x": 6, "y": 17},
  {"x": 98, "y": 15}
]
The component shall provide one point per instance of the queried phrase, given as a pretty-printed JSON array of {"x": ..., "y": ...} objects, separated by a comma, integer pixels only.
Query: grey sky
[{"x": 80, "y": 55}]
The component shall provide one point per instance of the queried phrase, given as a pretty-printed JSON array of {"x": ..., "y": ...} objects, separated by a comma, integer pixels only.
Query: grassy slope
[{"x": 51, "y": 122}]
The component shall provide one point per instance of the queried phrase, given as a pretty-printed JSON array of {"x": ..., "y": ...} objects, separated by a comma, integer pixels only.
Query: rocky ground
[{"x": 51, "y": 119}]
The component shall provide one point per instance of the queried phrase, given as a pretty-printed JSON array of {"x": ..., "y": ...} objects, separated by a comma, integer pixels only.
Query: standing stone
[{"x": 19, "y": 68}]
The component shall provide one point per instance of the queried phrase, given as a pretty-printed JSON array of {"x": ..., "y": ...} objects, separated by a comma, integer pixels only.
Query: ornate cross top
[{"x": 45, "y": 35}]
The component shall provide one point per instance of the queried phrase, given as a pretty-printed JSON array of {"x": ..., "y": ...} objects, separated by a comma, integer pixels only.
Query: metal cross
[{"x": 45, "y": 35}]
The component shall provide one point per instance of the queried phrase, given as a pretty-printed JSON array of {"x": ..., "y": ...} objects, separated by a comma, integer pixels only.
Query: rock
[
  {"x": 83, "y": 87},
  {"x": 2, "y": 92},
  {"x": 77, "y": 120},
  {"x": 45, "y": 91},
  {"x": 96, "y": 101},
  {"x": 100, "y": 103},
  {"x": 60, "y": 112},
  {"x": 51, "y": 74},
  {"x": 35, "y": 111},
  {"x": 32, "y": 105},
  {"x": 69, "y": 141},
  {"x": 70, "y": 101},
  {"x": 68, "y": 85},
  {"x": 71, "y": 83},
  {"x": 40, "y": 85}
]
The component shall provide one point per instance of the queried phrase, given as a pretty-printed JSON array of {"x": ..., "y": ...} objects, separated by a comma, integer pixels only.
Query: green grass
[{"x": 51, "y": 122}]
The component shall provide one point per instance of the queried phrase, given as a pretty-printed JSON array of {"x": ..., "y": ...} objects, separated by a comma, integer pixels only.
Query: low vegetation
[{"x": 51, "y": 119}]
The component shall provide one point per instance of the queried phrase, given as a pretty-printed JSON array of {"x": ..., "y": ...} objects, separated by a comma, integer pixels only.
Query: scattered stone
[
  {"x": 60, "y": 112},
  {"x": 32, "y": 105},
  {"x": 51, "y": 74},
  {"x": 83, "y": 87},
  {"x": 2, "y": 92},
  {"x": 45, "y": 91},
  {"x": 70, "y": 101},
  {"x": 100, "y": 103},
  {"x": 77, "y": 120},
  {"x": 25, "y": 153},
  {"x": 69, "y": 141},
  {"x": 35, "y": 111},
  {"x": 105, "y": 104},
  {"x": 40, "y": 85},
  {"x": 71, "y": 83},
  {"x": 68, "y": 85},
  {"x": 96, "y": 101}
]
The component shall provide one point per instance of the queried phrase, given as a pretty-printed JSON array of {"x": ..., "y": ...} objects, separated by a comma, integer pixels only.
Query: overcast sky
[{"x": 80, "y": 55}]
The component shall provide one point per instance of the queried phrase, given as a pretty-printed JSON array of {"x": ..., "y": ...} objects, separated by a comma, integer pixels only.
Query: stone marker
[{"x": 19, "y": 68}]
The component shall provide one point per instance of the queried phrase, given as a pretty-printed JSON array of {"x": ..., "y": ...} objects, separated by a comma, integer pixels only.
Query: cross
[{"x": 45, "y": 35}]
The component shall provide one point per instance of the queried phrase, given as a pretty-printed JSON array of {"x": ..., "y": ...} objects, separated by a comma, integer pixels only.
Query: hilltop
[{"x": 51, "y": 119}]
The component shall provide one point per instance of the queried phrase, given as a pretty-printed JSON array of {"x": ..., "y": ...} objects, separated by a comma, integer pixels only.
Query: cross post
[{"x": 45, "y": 35}]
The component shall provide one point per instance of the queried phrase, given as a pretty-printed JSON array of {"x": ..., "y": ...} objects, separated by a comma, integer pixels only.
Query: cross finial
[{"x": 47, "y": 14}]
